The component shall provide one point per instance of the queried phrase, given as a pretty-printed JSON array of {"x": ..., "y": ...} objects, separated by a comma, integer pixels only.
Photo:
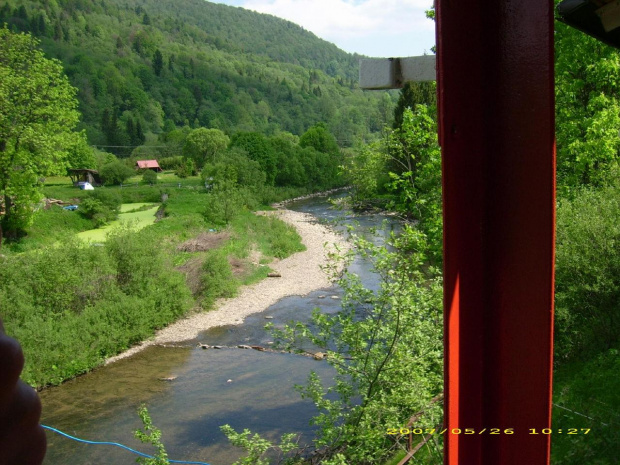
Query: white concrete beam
[{"x": 392, "y": 73}]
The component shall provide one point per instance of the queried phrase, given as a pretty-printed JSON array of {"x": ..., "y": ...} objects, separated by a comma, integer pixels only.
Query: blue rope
[{"x": 117, "y": 445}]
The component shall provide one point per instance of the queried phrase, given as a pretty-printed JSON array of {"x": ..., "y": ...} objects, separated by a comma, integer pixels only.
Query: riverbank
[{"x": 300, "y": 274}]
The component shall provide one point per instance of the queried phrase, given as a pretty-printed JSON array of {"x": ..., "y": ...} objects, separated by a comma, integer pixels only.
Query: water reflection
[{"x": 244, "y": 388}]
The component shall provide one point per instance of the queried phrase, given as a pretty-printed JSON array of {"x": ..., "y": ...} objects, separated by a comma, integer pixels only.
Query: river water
[{"x": 240, "y": 387}]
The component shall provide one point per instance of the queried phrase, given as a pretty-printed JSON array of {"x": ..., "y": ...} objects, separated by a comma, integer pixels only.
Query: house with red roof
[{"x": 148, "y": 165}]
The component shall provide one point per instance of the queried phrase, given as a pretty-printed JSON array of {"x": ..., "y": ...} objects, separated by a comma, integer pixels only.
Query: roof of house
[{"x": 147, "y": 164}]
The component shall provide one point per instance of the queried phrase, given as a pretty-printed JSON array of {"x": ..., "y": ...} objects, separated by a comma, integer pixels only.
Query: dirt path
[{"x": 300, "y": 274}]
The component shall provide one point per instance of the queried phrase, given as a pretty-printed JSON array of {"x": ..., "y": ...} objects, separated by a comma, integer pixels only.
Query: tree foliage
[
  {"x": 203, "y": 145},
  {"x": 116, "y": 172},
  {"x": 587, "y": 108},
  {"x": 259, "y": 149},
  {"x": 319, "y": 138},
  {"x": 386, "y": 347},
  {"x": 412, "y": 94},
  {"x": 587, "y": 273},
  {"x": 38, "y": 111},
  {"x": 405, "y": 167}
]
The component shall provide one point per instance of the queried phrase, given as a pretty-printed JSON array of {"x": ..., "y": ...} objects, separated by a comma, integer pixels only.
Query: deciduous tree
[
  {"x": 38, "y": 111},
  {"x": 587, "y": 92},
  {"x": 202, "y": 145}
]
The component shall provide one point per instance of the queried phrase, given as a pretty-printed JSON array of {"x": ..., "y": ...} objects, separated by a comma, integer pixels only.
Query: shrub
[
  {"x": 588, "y": 273},
  {"x": 217, "y": 277},
  {"x": 149, "y": 177},
  {"x": 101, "y": 206},
  {"x": 110, "y": 198},
  {"x": 223, "y": 204},
  {"x": 171, "y": 163},
  {"x": 94, "y": 210},
  {"x": 73, "y": 306},
  {"x": 186, "y": 168},
  {"x": 115, "y": 173},
  {"x": 274, "y": 237},
  {"x": 386, "y": 348}
]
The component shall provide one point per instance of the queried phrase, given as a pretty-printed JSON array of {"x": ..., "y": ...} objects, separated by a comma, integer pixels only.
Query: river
[{"x": 190, "y": 392}]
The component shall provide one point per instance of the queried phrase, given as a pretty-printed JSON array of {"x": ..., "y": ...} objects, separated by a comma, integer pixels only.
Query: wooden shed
[
  {"x": 84, "y": 175},
  {"x": 148, "y": 165}
]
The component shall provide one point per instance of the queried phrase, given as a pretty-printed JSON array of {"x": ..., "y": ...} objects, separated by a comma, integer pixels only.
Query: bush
[
  {"x": 110, "y": 198},
  {"x": 170, "y": 163},
  {"x": 186, "y": 168},
  {"x": 588, "y": 273},
  {"x": 223, "y": 204},
  {"x": 274, "y": 237},
  {"x": 115, "y": 173},
  {"x": 73, "y": 306},
  {"x": 149, "y": 177},
  {"x": 217, "y": 277},
  {"x": 101, "y": 206}
]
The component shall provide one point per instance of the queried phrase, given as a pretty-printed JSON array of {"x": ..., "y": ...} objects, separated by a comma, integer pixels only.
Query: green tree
[
  {"x": 412, "y": 94},
  {"x": 587, "y": 273},
  {"x": 140, "y": 137},
  {"x": 587, "y": 93},
  {"x": 234, "y": 166},
  {"x": 38, "y": 111},
  {"x": 158, "y": 62},
  {"x": 319, "y": 137},
  {"x": 80, "y": 155},
  {"x": 202, "y": 145},
  {"x": 328, "y": 157},
  {"x": 386, "y": 348},
  {"x": 149, "y": 177},
  {"x": 115, "y": 173},
  {"x": 259, "y": 149}
]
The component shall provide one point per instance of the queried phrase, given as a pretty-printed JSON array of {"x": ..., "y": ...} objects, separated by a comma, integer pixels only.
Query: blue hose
[{"x": 117, "y": 445}]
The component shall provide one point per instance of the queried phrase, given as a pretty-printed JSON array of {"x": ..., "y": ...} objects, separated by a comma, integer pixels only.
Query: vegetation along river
[{"x": 190, "y": 392}]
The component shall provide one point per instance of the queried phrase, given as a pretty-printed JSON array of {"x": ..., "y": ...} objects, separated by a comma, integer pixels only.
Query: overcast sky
[{"x": 376, "y": 28}]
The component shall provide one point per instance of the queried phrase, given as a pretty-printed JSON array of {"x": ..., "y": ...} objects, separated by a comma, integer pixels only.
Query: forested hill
[
  {"x": 238, "y": 30},
  {"x": 146, "y": 67}
]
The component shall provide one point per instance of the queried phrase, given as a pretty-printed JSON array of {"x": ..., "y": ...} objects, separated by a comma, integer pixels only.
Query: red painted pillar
[{"x": 495, "y": 84}]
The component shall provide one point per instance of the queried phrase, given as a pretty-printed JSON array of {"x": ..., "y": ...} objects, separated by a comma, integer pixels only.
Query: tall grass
[{"x": 273, "y": 237}]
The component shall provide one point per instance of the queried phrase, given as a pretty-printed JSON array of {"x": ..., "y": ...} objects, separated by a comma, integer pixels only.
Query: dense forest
[{"x": 144, "y": 68}]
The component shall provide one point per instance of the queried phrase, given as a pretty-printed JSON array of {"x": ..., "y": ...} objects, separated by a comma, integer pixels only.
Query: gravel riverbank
[{"x": 300, "y": 274}]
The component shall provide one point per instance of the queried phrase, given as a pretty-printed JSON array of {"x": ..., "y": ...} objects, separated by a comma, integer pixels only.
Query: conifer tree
[{"x": 158, "y": 62}]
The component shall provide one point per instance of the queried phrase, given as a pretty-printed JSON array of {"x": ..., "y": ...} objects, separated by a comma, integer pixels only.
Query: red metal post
[{"x": 495, "y": 84}]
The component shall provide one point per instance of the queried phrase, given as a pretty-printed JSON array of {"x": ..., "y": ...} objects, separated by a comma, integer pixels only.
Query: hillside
[{"x": 146, "y": 67}]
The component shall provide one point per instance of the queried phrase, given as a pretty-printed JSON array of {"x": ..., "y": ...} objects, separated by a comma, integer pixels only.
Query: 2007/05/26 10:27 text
[{"x": 402, "y": 431}]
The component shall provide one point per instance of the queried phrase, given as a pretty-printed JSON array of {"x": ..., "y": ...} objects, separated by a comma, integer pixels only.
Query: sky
[{"x": 375, "y": 28}]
